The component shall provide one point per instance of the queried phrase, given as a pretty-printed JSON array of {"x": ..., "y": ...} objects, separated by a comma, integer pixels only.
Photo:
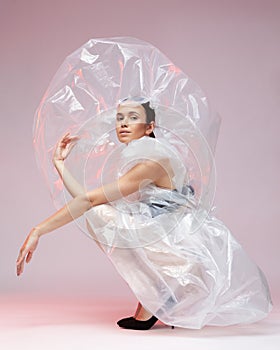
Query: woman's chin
[
  {"x": 126, "y": 138},
  {"x": 129, "y": 137}
]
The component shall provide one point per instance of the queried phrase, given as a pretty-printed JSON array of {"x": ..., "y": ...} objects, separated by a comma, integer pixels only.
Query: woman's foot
[
  {"x": 140, "y": 315},
  {"x": 132, "y": 323}
]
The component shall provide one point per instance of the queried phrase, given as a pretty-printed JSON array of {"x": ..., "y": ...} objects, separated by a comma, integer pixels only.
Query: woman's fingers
[
  {"x": 72, "y": 145},
  {"x": 69, "y": 144},
  {"x": 19, "y": 269},
  {"x": 68, "y": 133},
  {"x": 64, "y": 146},
  {"x": 71, "y": 139},
  {"x": 75, "y": 138},
  {"x": 20, "y": 263},
  {"x": 21, "y": 258},
  {"x": 67, "y": 137},
  {"x": 27, "y": 250},
  {"x": 29, "y": 256}
]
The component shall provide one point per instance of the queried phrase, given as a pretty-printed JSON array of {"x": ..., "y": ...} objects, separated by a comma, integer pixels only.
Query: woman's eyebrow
[{"x": 131, "y": 112}]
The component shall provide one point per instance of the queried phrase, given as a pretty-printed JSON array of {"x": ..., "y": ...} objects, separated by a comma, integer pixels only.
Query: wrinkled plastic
[
  {"x": 137, "y": 220},
  {"x": 188, "y": 273},
  {"x": 182, "y": 264},
  {"x": 83, "y": 96}
]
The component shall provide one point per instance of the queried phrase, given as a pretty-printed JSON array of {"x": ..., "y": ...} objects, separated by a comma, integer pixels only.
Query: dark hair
[{"x": 150, "y": 115}]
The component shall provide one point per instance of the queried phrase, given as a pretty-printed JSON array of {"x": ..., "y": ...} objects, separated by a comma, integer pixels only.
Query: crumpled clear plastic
[
  {"x": 182, "y": 263},
  {"x": 137, "y": 220},
  {"x": 82, "y": 99},
  {"x": 186, "y": 272}
]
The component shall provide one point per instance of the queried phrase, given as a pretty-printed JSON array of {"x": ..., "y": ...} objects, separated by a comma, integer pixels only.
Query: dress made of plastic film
[{"x": 181, "y": 262}]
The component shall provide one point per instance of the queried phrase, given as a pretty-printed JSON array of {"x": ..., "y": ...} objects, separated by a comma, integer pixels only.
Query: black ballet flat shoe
[
  {"x": 124, "y": 320},
  {"x": 132, "y": 323}
]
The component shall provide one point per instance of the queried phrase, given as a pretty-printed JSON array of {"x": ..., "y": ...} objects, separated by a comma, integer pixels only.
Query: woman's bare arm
[
  {"x": 61, "y": 152},
  {"x": 140, "y": 175},
  {"x": 70, "y": 183}
]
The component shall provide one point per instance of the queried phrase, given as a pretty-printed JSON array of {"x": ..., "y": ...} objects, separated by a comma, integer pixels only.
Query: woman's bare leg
[
  {"x": 139, "y": 306},
  {"x": 141, "y": 313}
]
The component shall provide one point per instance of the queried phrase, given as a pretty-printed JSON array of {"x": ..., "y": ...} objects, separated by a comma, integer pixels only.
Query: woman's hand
[
  {"x": 27, "y": 249},
  {"x": 64, "y": 147}
]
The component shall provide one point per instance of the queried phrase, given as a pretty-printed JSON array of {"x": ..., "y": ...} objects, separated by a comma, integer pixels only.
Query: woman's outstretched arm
[
  {"x": 139, "y": 176},
  {"x": 61, "y": 152},
  {"x": 72, "y": 210}
]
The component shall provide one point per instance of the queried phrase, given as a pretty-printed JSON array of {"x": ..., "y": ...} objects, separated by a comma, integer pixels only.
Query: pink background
[{"x": 230, "y": 48}]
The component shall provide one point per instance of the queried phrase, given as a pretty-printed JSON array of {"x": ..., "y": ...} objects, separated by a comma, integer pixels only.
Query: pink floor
[{"x": 64, "y": 323}]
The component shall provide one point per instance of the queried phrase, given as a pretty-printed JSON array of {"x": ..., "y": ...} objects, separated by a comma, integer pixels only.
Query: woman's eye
[{"x": 131, "y": 117}]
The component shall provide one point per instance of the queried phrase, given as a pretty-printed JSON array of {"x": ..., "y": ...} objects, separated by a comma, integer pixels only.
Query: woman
[
  {"x": 183, "y": 279},
  {"x": 130, "y": 125}
]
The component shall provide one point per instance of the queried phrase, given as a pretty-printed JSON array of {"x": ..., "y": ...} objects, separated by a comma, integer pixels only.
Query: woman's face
[{"x": 131, "y": 122}]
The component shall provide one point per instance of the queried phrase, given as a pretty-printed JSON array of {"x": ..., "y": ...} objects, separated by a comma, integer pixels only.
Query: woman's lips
[{"x": 124, "y": 132}]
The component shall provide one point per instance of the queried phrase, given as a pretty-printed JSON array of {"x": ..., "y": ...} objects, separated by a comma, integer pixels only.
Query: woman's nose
[{"x": 124, "y": 122}]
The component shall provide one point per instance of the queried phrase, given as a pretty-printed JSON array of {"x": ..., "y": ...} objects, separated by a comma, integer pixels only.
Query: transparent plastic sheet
[
  {"x": 187, "y": 272},
  {"x": 83, "y": 96},
  {"x": 181, "y": 263}
]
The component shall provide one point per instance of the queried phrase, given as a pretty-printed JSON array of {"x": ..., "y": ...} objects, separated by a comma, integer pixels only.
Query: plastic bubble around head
[{"x": 82, "y": 99}]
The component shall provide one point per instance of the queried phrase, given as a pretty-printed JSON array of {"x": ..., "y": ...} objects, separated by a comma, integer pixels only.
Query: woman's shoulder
[{"x": 158, "y": 150}]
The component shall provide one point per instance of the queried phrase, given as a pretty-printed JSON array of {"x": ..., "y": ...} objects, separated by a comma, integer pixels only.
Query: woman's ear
[{"x": 150, "y": 128}]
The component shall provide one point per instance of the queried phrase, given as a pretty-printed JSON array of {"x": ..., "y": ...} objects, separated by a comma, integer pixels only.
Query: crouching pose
[{"x": 144, "y": 222}]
